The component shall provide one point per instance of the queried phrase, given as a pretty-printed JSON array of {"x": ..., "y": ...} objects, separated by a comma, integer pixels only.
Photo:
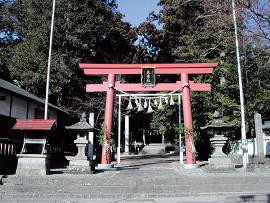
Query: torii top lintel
[{"x": 160, "y": 68}]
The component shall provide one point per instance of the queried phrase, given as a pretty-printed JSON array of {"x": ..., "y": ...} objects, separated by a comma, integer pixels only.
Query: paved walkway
[
  {"x": 156, "y": 168},
  {"x": 165, "y": 173},
  {"x": 147, "y": 166}
]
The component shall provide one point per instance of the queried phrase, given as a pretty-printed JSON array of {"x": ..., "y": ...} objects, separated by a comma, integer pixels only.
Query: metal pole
[
  {"x": 49, "y": 65},
  {"x": 243, "y": 126},
  {"x": 180, "y": 138},
  {"x": 119, "y": 131},
  {"x": 91, "y": 137}
]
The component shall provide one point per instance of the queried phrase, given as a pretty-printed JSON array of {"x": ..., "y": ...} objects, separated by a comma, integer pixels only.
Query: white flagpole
[
  {"x": 181, "y": 151},
  {"x": 243, "y": 126},
  {"x": 49, "y": 65}
]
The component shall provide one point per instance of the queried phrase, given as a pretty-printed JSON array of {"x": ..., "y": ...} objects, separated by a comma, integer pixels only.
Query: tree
[
  {"x": 198, "y": 31},
  {"x": 84, "y": 31},
  {"x": 257, "y": 20}
]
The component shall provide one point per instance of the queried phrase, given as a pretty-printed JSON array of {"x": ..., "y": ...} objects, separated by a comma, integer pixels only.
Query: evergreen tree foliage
[
  {"x": 89, "y": 31},
  {"x": 92, "y": 31},
  {"x": 202, "y": 31}
]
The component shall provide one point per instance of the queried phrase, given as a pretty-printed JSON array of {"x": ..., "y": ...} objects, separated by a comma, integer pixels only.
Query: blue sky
[{"x": 136, "y": 11}]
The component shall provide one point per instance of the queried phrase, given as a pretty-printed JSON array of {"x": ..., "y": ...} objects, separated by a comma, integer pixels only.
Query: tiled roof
[{"x": 36, "y": 124}]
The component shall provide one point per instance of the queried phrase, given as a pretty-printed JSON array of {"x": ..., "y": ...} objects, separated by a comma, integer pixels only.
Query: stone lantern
[
  {"x": 80, "y": 164},
  {"x": 218, "y": 160}
]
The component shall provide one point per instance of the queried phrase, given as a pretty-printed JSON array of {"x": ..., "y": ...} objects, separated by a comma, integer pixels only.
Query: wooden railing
[{"x": 10, "y": 147}]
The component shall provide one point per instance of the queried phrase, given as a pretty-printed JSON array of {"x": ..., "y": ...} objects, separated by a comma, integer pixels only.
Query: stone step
[
  {"x": 157, "y": 181},
  {"x": 116, "y": 195},
  {"x": 53, "y": 187},
  {"x": 129, "y": 181},
  {"x": 125, "y": 196},
  {"x": 197, "y": 188},
  {"x": 153, "y": 149}
]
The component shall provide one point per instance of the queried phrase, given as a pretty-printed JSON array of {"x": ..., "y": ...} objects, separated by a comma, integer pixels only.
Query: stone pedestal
[
  {"x": 105, "y": 166},
  {"x": 33, "y": 164},
  {"x": 79, "y": 164},
  {"x": 219, "y": 161}
]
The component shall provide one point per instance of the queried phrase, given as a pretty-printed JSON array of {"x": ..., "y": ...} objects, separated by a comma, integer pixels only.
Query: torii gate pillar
[
  {"x": 106, "y": 150},
  {"x": 187, "y": 113}
]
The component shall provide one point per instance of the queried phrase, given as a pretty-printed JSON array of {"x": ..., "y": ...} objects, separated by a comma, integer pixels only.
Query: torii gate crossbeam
[{"x": 184, "y": 69}]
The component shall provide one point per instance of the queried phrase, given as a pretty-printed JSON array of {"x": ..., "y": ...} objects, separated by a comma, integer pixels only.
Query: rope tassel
[
  {"x": 129, "y": 107},
  {"x": 171, "y": 101},
  {"x": 136, "y": 102},
  {"x": 150, "y": 110},
  {"x": 140, "y": 107},
  {"x": 166, "y": 100},
  {"x": 160, "y": 106},
  {"x": 155, "y": 102},
  {"x": 145, "y": 104}
]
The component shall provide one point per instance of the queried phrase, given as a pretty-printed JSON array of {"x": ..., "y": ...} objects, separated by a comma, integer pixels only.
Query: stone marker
[{"x": 259, "y": 135}]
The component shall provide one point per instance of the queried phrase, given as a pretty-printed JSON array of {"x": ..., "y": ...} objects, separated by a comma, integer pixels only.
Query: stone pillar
[
  {"x": 126, "y": 134},
  {"x": 259, "y": 135},
  {"x": 91, "y": 138},
  {"x": 144, "y": 143}
]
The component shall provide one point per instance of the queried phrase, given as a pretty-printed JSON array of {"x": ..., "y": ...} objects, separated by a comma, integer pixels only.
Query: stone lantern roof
[
  {"x": 217, "y": 123},
  {"x": 81, "y": 126}
]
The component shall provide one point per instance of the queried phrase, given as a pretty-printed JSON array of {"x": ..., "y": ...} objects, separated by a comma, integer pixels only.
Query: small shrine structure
[
  {"x": 33, "y": 159},
  {"x": 148, "y": 83}
]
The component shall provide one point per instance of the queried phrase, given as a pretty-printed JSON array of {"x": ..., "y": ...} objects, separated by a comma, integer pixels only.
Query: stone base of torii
[{"x": 183, "y": 69}]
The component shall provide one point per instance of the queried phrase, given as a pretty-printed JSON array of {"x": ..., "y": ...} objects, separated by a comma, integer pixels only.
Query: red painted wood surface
[
  {"x": 138, "y": 87},
  {"x": 157, "y": 65},
  {"x": 187, "y": 114},
  {"x": 170, "y": 68},
  {"x": 106, "y": 151},
  {"x": 36, "y": 124}
]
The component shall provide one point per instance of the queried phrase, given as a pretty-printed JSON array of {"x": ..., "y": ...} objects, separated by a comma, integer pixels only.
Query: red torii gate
[{"x": 173, "y": 68}]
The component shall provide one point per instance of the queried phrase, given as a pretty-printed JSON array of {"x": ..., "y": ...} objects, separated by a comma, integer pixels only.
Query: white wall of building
[{"x": 17, "y": 107}]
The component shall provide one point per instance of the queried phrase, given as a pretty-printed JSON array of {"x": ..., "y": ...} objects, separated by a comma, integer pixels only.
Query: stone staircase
[
  {"x": 153, "y": 148},
  {"x": 137, "y": 177},
  {"x": 108, "y": 185}
]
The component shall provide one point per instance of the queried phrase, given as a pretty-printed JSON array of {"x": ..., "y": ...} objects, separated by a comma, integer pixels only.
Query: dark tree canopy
[
  {"x": 203, "y": 31},
  {"x": 92, "y": 31},
  {"x": 89, "y": 31}
]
